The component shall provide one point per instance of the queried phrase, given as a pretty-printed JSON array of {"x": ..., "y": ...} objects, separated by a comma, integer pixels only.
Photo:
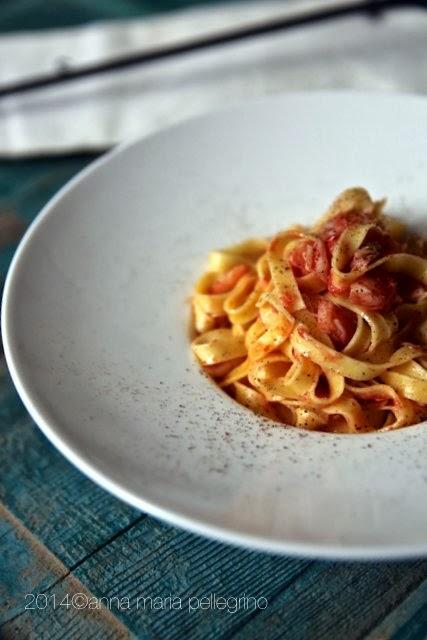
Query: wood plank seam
[
  {"x": 74, "y": 503},
  {"x": 399, "y": 602},
  {"x": 108, "y": 541},
  {"x": 377, "y": 631},
  {"x": 271, "y": 599},
  {"x": 51, "y": 560}
]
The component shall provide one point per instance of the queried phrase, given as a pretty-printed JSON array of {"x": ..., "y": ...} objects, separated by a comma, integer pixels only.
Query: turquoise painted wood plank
[
  {"x": 66, "y": 622},
  {"x": 65, "y": 510},
  {"x": 306, "y": 600},
  {"x": 36, "y": 14},
  {"x": 319, "y": 600},
  {"x": 38, "y": 599},
  {"x": 153, "y": 560},
  {"x": 408, "y": 621},
  {"x": 336, "y": 601},
  {"x": 20, "y": 572}
]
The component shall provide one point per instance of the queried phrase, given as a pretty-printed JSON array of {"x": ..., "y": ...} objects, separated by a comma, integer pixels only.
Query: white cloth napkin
[{"x": 386, "y": 54}]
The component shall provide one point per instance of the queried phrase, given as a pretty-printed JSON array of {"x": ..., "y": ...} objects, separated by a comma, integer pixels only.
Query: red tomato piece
[
  {"x": 374, "y": 291},
  {"x": 331, "y": 242},
  {"x": 334, "y": 227},
  {"x": 310, "y": 256},
  {"x": 228, "y": 280},
  {"x": 311, "y": 302},
  {"x": 337, "y": 322}
]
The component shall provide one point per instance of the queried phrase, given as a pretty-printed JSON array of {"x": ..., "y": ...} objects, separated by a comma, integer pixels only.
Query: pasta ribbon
[
  {"x": 409, "y": 380},
  {"x": 381, "y": 327},
  {"x": 285, "y": 286},
  {"x": 253, "y": 400},
  {"x": 219, "y": 345},
  {"x": 387, "y": 401},
  {"x": 240, "y": 304},
  {"x": 348, "y": 367}
]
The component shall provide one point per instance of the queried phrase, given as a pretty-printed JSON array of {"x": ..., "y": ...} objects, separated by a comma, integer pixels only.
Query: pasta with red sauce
[{"x": 323, "y": 328}]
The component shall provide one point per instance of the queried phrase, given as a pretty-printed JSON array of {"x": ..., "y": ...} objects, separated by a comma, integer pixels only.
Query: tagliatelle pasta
[{"x": 323, "y": 328}]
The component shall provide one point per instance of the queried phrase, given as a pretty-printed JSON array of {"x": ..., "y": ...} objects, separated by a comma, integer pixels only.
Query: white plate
[{"x": 95, "y": 326}]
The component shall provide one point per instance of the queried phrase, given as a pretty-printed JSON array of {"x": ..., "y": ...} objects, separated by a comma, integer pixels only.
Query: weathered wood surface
[
  {"x": 61, "y": 535},
  {"x": 408, "y": 621},
  {"x": 31, "y": 578}
]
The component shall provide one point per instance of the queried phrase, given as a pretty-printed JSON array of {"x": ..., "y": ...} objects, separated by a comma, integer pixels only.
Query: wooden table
[{"x": 76, "y": 563}]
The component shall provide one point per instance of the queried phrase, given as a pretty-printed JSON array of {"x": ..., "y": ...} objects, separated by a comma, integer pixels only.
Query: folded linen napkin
[{"x": 385, "y": 54}]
